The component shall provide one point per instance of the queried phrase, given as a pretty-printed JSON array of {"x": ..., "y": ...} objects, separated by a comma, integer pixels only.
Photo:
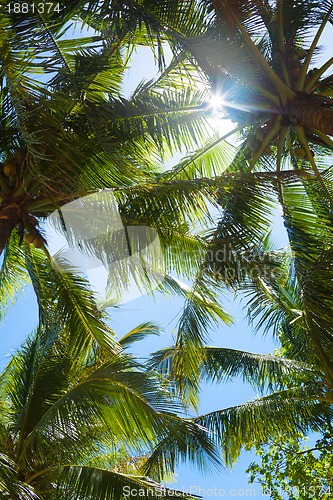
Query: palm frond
[
  {"x": 140, "y": 332},
  {"x": 13, "y": 275},
  {"x": 294, "y": 410},
  {"x": 229, "y": 58},
  {"x": 183, "y": 441},
  {"x": 200, "y": 313},
  {"x": 211, "y": 160},
  {"x": 82, "y": 482},
  {"x": 73, "y": 302},
  {"x": 220, "y": 364},
  {"x": 117, "y": 397},
  {"x": 172, "y": 118},
  {"x": 11, "y": 486}
]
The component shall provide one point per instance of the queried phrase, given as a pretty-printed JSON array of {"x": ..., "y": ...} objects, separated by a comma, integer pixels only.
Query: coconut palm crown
[{"x": 98, "y": 428}]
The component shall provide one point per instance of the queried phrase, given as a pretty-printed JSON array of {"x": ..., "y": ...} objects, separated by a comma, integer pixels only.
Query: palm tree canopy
[
  {"x": 63, "y": 422},
  {"x": 77, "y": 133},
  {"x": 259, "y": 56},
  {"x": 67, "y": 131}
]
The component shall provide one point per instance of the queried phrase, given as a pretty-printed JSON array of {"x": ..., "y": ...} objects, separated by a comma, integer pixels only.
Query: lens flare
[{"x": 216, "y": 102}]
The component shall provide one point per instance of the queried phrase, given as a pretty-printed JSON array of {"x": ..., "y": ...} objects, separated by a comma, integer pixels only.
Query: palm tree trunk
[
  {"x": 9, "y": 218},
  {"x": 312, "y": 112}
]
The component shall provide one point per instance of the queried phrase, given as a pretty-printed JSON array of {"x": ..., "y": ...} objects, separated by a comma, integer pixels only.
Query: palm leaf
[
  {"x": 10, "y": 486},
  {"x": 82, "y": 482},
  {"x": 293, "y": 410},
  {"x": 140, "y": 332},
  {"x": 13, "y": 276},
  {"x": 221, "y": 364},
  {"x": 180, "y": 443},
  {"x": 73, "y": 302}
]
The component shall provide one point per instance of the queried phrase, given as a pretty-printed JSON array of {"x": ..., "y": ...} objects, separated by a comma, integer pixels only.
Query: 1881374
[{"x": 32, "y": 7}]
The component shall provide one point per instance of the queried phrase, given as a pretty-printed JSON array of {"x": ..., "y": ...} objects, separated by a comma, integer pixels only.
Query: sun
[
  {"x": 218, "y": 119},
  {"x": 216, "y": 102}
]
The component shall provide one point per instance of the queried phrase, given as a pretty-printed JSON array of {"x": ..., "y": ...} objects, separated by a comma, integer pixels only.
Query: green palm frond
[
  {"x": 274, "y": 296},
  {"x": 251, "y": 15},
  {"x": 247, "y": 211},
  {"x": 201, "y": 312},
  {"x": 316, "y": 286},
  {"x": 210, "y": 160},
  {"x": 180, "y": 443},
  {"x": 13, "y": 275},
  {"x": 310, "y": 221},
  {"x": 187, "y": 17},
  {"x": 220, "y": 364},
  {"x": 225, "y": 56},
  {"x": 172, "y": 118},
  {"x": 72, "y": 301},
  {"x": 10, "y": 486},
  {"x": 180, "y": 202},
  {"x": 308, "y": 218},
  {"x": 118, "y": 397},
  {"x": 33, "y": 377},
  {"x": 82, "y": 482},
  {"x": 262, "y": 371},
  {"x": 294, "y": 409},
  {"x": 300, "y": 18},
  {"x": 140, "y": 332}
]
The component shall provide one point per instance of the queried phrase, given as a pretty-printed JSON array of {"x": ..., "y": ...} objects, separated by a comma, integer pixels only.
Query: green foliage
[
  {"x": 67, "y": 131},
  {"x": 69, "y": 426},
  {"x": 288, "y": 467}
]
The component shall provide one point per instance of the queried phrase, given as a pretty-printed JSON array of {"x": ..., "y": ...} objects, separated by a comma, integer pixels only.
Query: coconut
[
  {"x": 17, "y": 158},
  {"x": 301, "y": 53},
  {"x": 299, "y": 153},
  {"x": 294, "y": 58},
  {"x": 296, "y": 69},
  {"x": 260, "y": 134},
  {"x": 312, "y": 72},
  {"x": 10, "y": 169},
  {"x": 29, "y": 238},
  {"x": 38, "y": 242},
  {"x": 253, "y": 143}
]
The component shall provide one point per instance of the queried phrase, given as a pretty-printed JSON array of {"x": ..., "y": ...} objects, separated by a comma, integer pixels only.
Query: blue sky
[{"x": 22, "y": 318}]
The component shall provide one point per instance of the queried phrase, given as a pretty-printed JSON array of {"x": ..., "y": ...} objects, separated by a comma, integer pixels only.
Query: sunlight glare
[
  {"x": 216, "y": 102},
  {"x": 218, "y": 121}
]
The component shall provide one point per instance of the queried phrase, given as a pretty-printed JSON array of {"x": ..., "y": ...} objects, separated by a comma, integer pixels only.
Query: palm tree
[
  {"x": 66, "y": 426},
  {"x": 63, "y": 130},
  {"x": 67, "y": 132},
  {"x": 260, "y": 57},
  {"x": 257, "y": 55},
  {"x": 294, "y": 302},
  {"x": 273, "y": 68},
  {"x": 71, "y": 132}
]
